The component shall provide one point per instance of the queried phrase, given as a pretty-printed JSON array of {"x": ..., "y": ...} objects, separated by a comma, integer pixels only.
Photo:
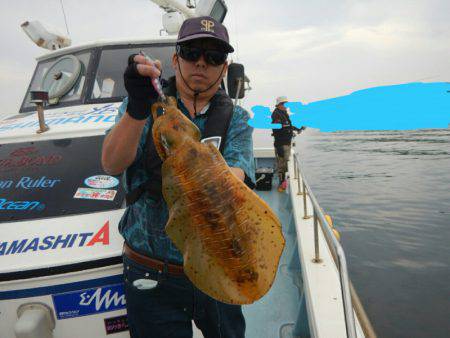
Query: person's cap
[
  {"x": 281, "y": 99},
  {"x": 204, "y": 27}
]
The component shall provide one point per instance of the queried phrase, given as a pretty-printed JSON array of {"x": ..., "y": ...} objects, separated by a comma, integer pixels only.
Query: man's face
[
  {"x": 201, "y": 74},
  {"x": 281, "y": 106}
]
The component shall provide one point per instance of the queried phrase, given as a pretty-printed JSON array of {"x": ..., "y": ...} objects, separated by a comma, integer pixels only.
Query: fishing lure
[{"x": 155, "y": 81}]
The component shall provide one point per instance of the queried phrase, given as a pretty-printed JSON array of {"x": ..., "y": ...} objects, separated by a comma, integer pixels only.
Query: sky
[{"x": 306, "y": 50}]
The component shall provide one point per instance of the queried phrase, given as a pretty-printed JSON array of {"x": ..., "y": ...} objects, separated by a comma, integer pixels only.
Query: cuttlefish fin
[
  {"x": 200, "y": 268},
  {"x": 208, "y": 276},
  {"x": 176, "y": 227}
]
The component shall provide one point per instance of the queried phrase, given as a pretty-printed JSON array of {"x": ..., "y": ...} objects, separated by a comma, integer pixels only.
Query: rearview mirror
[{"x": 235, "y": 80}]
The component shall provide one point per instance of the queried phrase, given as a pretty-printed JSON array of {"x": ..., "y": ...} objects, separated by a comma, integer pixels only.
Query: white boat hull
[{"x": 89, "y": 303}]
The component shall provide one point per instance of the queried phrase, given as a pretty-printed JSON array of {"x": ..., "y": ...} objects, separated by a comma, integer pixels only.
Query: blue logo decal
[
  {"x": 38, "y": 183},
  {"x": 21, "y": 205},
  {"x": 102, "y": 114},
  {"x": 90, "y": 301}
]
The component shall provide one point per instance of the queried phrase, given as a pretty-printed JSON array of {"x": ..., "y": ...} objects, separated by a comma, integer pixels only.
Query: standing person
[
  {"x": 282, "y": 139},
  {"x": 161, "y": 301}
]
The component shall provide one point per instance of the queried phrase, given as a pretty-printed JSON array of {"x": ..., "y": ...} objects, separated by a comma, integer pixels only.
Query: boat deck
[{"x": 275, "y": 314}]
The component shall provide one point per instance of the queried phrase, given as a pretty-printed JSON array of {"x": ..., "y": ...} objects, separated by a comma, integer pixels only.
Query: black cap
[{"x": 204, "y": 27}]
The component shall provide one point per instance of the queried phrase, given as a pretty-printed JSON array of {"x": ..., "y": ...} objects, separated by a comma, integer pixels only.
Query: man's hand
[{"x": 137, "y": 79}]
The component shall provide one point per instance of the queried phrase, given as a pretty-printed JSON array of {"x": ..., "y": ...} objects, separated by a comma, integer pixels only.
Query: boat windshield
[
  {"x": 91, "y": 76},
  {"x": 55, "y": 178},
  {"x": 108, "y": 82},
  {"x": 63, "y": 77}
]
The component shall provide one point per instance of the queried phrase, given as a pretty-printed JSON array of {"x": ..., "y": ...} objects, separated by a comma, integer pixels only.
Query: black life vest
[
  {"x": 218, "y": 118},
  {"x": 283, "y": 136}
]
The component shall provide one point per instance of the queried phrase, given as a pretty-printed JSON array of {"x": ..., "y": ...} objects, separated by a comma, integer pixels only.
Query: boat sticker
[
  {"x": 21, "y": 205},
  {"x": 95, "y": 194},
  {"x": 30, "y": 183},
  {"x": 12, "y": 163},
  {"x": 101, "y": 181},
  {"x": 116, "y": 324},
  {"x": 55, "y": 242},
  {"x": 104, "y": 115},
  {"x": 89, "y": 301}
]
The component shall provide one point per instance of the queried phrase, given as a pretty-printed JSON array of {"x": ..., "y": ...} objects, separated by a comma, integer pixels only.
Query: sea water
[{"x": 389, "y": 195}]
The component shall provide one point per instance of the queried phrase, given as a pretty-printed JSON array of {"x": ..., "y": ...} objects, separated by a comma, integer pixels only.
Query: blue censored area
[
  {"x": 262, "y": 118},
  {"x": 398, "y": 107}
]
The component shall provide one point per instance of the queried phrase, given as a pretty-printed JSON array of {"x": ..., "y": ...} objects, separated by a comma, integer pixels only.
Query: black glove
[{"x": 141, "y": 94}]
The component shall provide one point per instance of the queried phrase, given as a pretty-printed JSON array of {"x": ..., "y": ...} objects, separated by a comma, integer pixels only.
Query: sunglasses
[{"x": 193, "y": 54}]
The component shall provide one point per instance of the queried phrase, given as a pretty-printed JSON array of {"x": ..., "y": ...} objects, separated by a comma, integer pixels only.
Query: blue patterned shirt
[{"x": 142, "y": 225}]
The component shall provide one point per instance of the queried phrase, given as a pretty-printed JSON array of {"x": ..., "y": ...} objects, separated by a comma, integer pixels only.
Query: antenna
[{"x": 65, "y": 20}]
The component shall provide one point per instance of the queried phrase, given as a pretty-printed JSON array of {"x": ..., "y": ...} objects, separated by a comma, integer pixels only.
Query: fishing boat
[{"x": 60, "y": 249}]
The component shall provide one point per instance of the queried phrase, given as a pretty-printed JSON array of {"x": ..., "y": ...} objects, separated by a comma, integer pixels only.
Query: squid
[{"x": 230, "y": 239}]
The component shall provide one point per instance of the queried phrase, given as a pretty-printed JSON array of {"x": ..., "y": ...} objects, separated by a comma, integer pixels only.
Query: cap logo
[{"x": 208, "y": 26}]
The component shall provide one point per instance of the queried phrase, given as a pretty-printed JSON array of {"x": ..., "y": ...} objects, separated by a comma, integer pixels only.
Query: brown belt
[{"x": 152, "y": 263}]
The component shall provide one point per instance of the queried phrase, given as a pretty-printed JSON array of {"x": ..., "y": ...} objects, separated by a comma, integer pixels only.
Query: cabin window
[
  {"x": 53, "y": 75},
  {"x": 108, "y": 81},
  {"x": 55, "y": 178}
]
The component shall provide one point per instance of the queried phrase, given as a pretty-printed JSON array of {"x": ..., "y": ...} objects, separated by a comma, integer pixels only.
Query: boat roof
[
  {"x": 64, "y": 122},
  {"x": 105, "y": 42}
]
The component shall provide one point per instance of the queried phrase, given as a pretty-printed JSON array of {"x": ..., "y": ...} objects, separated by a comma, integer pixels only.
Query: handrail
[
  {"x": 334, "y": 245},
  {"x": 364, "y": 321}
]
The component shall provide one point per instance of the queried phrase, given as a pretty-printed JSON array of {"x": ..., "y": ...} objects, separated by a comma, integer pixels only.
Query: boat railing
[{"x": 350, "y": 299}]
